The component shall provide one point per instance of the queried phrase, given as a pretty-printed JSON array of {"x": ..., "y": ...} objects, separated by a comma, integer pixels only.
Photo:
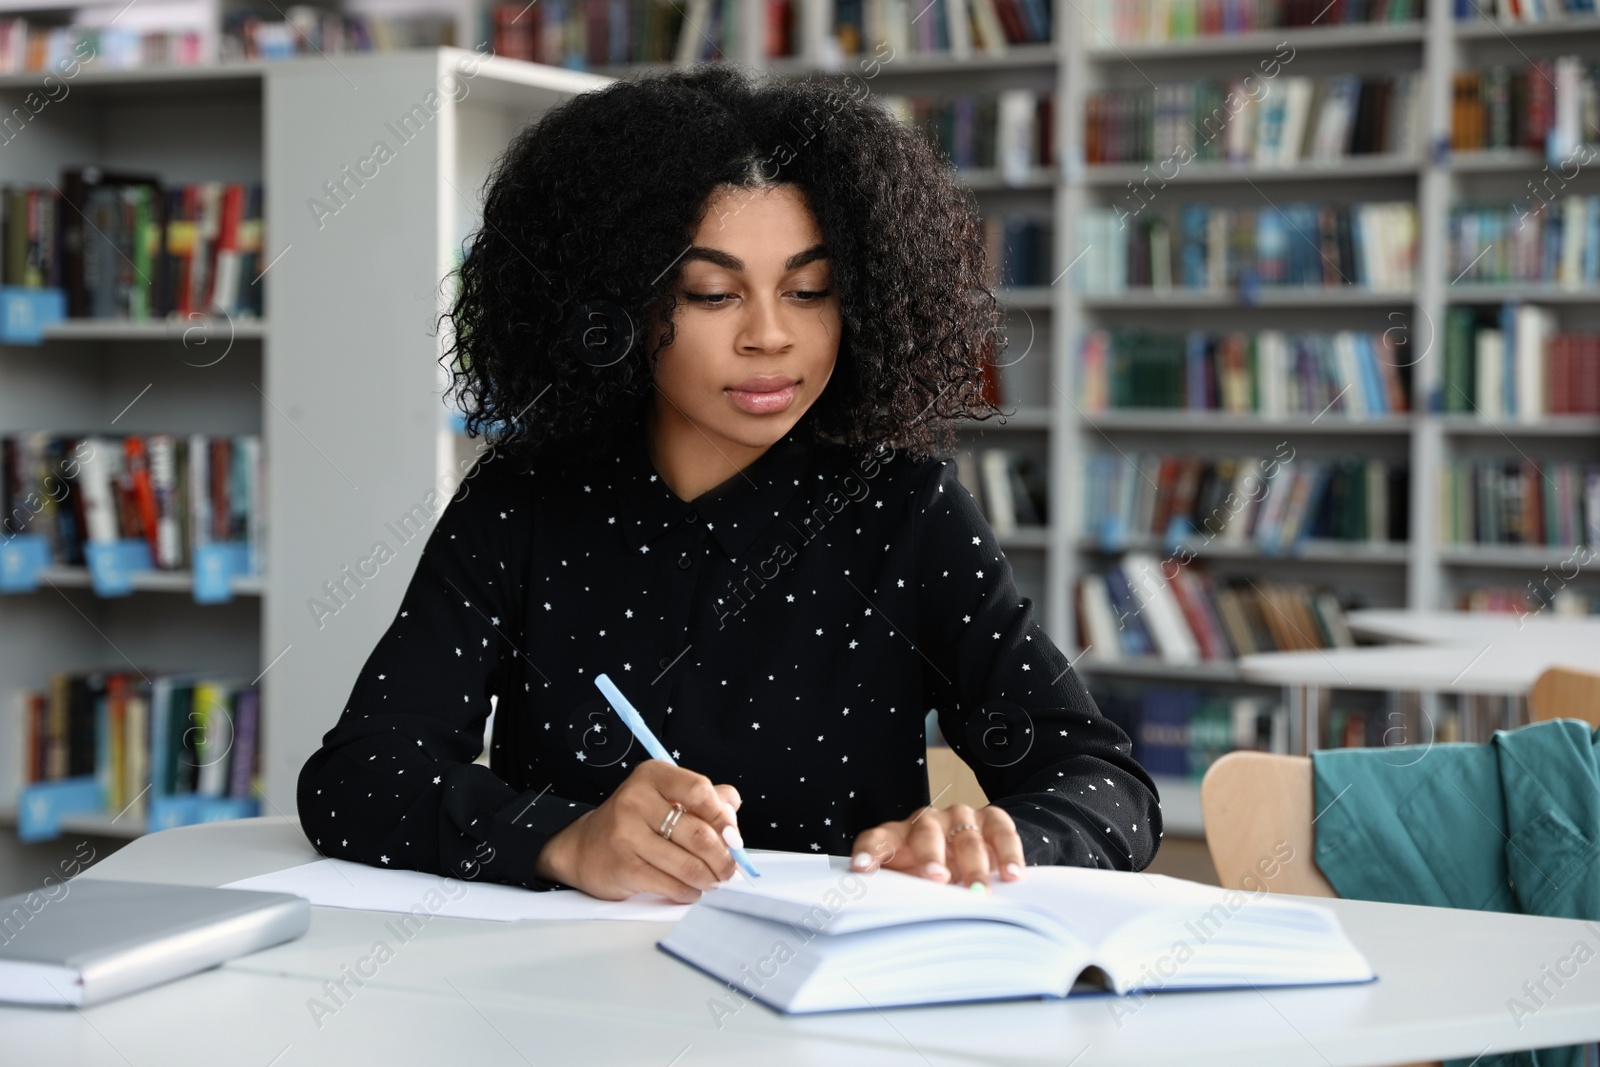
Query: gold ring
[
  {"x": 670, "y": 823},
  {"x": 954, "y": 830}
]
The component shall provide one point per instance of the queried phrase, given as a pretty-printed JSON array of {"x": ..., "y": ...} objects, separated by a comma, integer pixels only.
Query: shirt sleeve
[
  {"x": 395, "y": 783},
  {"x": 1010, "y": 704}
]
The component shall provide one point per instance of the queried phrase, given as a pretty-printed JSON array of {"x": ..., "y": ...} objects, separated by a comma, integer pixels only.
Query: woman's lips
[{"x": 763, "y": 403}]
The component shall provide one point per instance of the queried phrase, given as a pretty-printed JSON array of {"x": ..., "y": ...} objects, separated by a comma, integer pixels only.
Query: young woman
[{"x": 718, "y": 329}]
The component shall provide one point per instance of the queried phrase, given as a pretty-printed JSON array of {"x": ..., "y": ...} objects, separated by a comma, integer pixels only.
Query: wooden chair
[
  {"x": 1258, "y": 812},
  {"x": 951, "y": 781},
  {"x": 1258, "y": 807},
  {"x": 1564, "y": 693}
]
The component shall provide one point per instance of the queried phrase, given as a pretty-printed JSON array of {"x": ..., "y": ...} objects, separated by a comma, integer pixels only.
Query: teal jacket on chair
[{"x": 1512, "y": 825}]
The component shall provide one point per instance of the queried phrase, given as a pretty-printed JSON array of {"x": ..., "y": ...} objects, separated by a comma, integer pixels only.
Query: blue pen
[{"x": 635, "y": 722}]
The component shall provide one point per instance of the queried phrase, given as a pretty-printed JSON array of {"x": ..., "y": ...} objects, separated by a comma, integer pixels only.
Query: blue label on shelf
[
  {"x": 111, "y": 567},
  {"x": 1113, "y": 534},
  {"x": 24, "y": 313},
  {"x": 188, "y": 809},
  {"x": 214, "y": 568},
  {"x": 21, "y": 560},
  {"x": 40, "y": 806},
  {"x": 1178, "y": 531}
]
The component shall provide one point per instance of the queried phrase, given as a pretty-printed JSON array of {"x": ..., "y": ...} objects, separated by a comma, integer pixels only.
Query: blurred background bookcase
[{"x": 342, "y": 384}]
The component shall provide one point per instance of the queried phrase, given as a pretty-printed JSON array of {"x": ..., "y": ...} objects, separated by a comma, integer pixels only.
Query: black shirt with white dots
[{"x": 786, "y": 633}]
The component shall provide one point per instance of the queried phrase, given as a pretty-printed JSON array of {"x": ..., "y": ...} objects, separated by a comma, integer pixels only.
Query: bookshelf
[{"x": 345, "y": 391}]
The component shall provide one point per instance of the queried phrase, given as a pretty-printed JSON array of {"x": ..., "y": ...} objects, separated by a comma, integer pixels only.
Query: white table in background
[
  {"x": 542, "y": 993},
  {"x": 1466, "y": 627},
  {"x": 1447, "y": 652}
]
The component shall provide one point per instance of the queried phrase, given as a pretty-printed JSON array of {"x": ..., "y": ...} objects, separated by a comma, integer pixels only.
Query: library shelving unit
[
  {"x": 341, "y": 379},
  {"x": 1423, "y": 572}
]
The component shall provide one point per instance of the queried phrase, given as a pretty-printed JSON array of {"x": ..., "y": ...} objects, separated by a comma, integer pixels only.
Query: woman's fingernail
[
  {"x": 1013, "y": 870},
  {"x": 978, "y": 887},
  {"x": 731, "y": 836},
  {"x": 937, "y": 870},
  {"x": 862, "y": 861}
]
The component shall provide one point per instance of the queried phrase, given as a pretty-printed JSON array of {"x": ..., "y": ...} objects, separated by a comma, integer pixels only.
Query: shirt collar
[{"x": 736, "y": 511}]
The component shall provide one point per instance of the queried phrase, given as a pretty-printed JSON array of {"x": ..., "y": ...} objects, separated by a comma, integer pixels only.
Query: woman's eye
[
  {"x": 710, "y": 299},
  {"x": 813, "y": 294}
]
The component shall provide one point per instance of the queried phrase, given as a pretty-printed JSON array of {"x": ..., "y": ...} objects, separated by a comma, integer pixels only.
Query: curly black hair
[{"x": 589, "y": 207}]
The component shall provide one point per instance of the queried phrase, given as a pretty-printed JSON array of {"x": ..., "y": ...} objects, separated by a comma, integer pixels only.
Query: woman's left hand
[{"x": 955, "y": 844}]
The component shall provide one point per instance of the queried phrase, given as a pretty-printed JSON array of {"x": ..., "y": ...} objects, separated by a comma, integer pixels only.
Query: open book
[{"x": 828, "y": 942}]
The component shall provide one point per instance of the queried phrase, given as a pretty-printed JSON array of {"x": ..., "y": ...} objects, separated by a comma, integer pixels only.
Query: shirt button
[
  {"x": 690, "y": 517},
  {"x": 683, "y": 562},
  {"x": 664, "y": 663}
]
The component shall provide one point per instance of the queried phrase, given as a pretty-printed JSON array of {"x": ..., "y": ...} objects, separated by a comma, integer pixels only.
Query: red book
[
  {"x": 1590, "y": 374},
  {"x": 779, "y": 18},
  {"x": 144, "y": 496},
  {"x": 1557, "y": 386},
  {"x": 515, "y": 28},
  {"x": 190, "y": 216},
  {"x": 1010, "y": 21}
]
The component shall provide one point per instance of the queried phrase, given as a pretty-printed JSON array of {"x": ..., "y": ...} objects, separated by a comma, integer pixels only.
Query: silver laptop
[{"x": 89, "y": 940}]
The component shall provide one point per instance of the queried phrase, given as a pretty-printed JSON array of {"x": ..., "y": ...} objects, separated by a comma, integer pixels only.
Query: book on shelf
[
  {"x": 889, "y": 939},
  {"x": 1018, "y": 249},
  {"x": 1319, "y": 120},
  {"x": 39, "y": 45},
  {"x": 1546, "y": 242},
  {"x": 1514, "y": 11},
  {"x": 1273, "y": 504},
  {"x": 1547, "y": 105},
  {"x": 176, "y": 493},
  {"x": 582, "y": 35},
  {"x": 1271, "y": 373},
  {"x": 1011, "y": 131},
  {"x": 1529, "y": 599},
  {"x": 1211, "y": 248},
  {"x": 1009, "y": 486},
  {"x": 125, "y": 246},
  {"x": 1179, "y": 614},
  {"x": 303, "y": 30},
  {"x": 959, "y": 28},
  {"x": 157, "y": 746},
  {"x": 1179, "y": 731},
  {"x": 1515, "y": 363},
  {"x": 1157, "y": 21},
  {"x": 1554, "y": 503}
]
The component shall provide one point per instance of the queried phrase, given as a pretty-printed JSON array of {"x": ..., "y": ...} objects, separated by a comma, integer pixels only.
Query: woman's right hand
[{"x": 616, "y": 849}]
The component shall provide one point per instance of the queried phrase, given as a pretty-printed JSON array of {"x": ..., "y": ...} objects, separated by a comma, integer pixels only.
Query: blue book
[
  {"x": 1377, "y": 398},
  {"x": 1192, "y": 246},
  {"x": 1591, "y": 242},
  {"x": 1195, "y": 379},
  {"x": 1358, "y": 247},
  {"x": 1135, "y": 638},
  {"x": 1163, "y": 734}
]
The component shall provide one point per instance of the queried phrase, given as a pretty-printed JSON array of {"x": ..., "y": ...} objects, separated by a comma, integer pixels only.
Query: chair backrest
[
  {"x": 1258, "y": 813},
  {"x": 951, "y": 781},
  {"x": 1564, "y": 693}
]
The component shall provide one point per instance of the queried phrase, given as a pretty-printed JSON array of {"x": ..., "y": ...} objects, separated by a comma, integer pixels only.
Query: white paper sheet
[{"x": 331, "y": 883}]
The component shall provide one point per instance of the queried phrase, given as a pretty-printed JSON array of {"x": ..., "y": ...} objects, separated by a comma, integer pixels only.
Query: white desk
[
  {"x": 1471, "y": 654},
  {"x": 597, "y": 993},
  {"x": 1502, "y": 666},
  {"x": 1466, "y": 627}
]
